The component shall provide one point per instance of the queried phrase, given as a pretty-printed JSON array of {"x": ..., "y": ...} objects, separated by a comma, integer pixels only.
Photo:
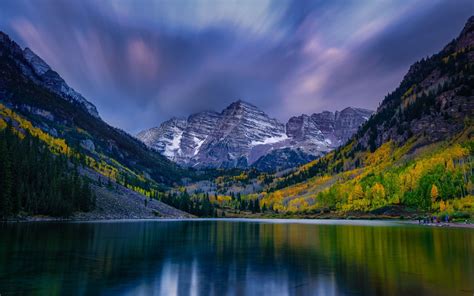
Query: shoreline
[
  {"x": 443, "y": 224},
  {"x": 44, "y": 219}
]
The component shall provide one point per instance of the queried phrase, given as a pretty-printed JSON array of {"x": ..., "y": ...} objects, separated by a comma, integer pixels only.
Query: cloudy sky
[{"x": 141, "y": 62}]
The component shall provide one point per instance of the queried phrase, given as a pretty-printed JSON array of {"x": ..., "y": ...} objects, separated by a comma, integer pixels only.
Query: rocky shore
[{"x": 123, "y": 203}]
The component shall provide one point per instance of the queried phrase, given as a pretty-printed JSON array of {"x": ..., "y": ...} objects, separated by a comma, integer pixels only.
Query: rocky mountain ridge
[
  {"x": 242, "y": 134},
  {"x": 433, "y": 102},
  {"x": 30, "y": 88},
  {"x": 35, "y": 69}
]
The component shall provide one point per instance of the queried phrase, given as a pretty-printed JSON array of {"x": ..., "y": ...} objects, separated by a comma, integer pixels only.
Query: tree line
[
  {"x": 34, "y": 181},
  {"x": 197, "y": 205}
]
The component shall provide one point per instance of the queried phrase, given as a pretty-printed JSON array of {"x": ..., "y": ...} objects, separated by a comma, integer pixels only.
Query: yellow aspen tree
[
  {"x": 434, "y": 193},
  {"x": 442, "y": 206},
  {"x": 358, "y": 192},
  {"x": 378, "y": 195}
]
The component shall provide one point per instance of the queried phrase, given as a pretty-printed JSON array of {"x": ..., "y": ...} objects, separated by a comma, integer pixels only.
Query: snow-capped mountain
[
  {"x": 240, "y": 130},
  {"x": 42, "y": 74},
  {"x": 199, "y": 127},
  {"x": 166, "y": 138},
  {"x": 241, "y": 135}
]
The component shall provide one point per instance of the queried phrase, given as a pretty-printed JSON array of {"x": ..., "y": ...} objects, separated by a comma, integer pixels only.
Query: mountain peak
[
  {"x": 361, "y": 111},
  {"x": 242, "y": 133},
  {"x": 176, "y": 119},
  {"x": 7, "y": 43},
  {"x": 4, "y": 37},
  {"x": 240, "y": 104},
  {"x": 469, "y": 26},
  {"x": 175, "y": 122},
  {"x": 241, "y": 109},
  {"x": 39, "y": 72},
  {"x": 466, "y": 38}
]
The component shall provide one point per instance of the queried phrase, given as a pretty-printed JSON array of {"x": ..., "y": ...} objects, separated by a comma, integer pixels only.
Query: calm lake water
[{"x": 228, "y": 257}]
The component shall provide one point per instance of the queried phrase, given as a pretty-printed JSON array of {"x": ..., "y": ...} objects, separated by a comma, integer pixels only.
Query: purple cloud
[{"x": 141, "y": 62}]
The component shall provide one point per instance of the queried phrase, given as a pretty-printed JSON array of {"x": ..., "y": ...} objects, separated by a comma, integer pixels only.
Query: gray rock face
[
  {"x": 242, "y": 134},
  {"x": 348, "y": 121},
  {"x": 88, "y": 145},
  {"x": 240, "y": 128},
  {"x": 327, "y": 128},
  {"x": 45, "y": 76},
  {"x": 302, "y": 128},
  {"x": 166, "y": 138},
  {"x": 199, "y": 127},
  {"x": 282, "y": 159},
  {"x": 434, "y": 102},
  {"x": 41, "y": 73}
]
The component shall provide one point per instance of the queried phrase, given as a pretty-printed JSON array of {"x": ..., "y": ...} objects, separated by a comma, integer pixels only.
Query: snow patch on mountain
[
  {"x": 242, "y": 133},
  {"x": 270, "y": 140},
  {"x": 198, "y": 145},
  {"x": 173, "y": 148}
]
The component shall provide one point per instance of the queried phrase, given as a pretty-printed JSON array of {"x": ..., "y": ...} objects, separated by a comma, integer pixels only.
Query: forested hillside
[
  {"x": 434, "y": 102},
  {"x": 415, "y": 152},
  {"x": 31, "y": 95},
  {"x": 435, "y": 178},
  {"x": 38, "y": 104},
  {"x": 36, "y": 181},
  {"x": 50, "y": 179}
]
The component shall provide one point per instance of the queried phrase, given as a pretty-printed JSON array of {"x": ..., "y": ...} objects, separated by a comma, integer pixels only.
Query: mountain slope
[
  {"x": 31, "y": 88},
  {"x": 432, "y": 101},
  {"x": 42, "y": 175},
  {"x": 242, "y": 135},
  {"x": 240, "y": 129},
  {"x": 40, "y": 73},
  {"x": 35, "y": 180},
  {"x": 416, "y": 151},
  {"x": 333, "y": 128},
  {"x": 281, "y": 159}
]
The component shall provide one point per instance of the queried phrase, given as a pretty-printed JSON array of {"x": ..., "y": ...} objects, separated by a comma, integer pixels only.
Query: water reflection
[{"x": 233, "y": 258}]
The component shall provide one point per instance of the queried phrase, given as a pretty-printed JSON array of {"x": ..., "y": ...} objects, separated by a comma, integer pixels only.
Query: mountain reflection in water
[{"x": 222, "y": 257}]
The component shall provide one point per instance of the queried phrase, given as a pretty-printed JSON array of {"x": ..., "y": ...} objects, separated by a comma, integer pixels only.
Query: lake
[{"x": 235, "y": 257}]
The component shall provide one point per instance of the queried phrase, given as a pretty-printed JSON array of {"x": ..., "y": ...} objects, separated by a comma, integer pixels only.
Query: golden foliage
[
  {"x": 393, "y": 175},
  {"x": 105, "y": 166},
  {"x": 3, "y": 124},
  {"x": 434, "y": 193},
  {"x": 383, "y": 153}
]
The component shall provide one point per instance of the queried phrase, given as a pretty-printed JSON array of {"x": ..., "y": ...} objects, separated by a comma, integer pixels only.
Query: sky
[{"x": 142, "y": 62}]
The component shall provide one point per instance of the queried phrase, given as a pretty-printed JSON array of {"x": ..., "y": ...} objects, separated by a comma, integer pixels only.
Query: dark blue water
[{"x": 235, "y": 258}]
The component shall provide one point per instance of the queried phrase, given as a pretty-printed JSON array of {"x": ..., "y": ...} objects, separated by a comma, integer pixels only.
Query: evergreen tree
[{"x": 36, "y": 181}]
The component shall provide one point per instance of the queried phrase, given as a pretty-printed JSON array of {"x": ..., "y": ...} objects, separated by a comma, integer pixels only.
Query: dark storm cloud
[
  {"x": 377, "y": 67},
  {"x": 142, "y": 62}
]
